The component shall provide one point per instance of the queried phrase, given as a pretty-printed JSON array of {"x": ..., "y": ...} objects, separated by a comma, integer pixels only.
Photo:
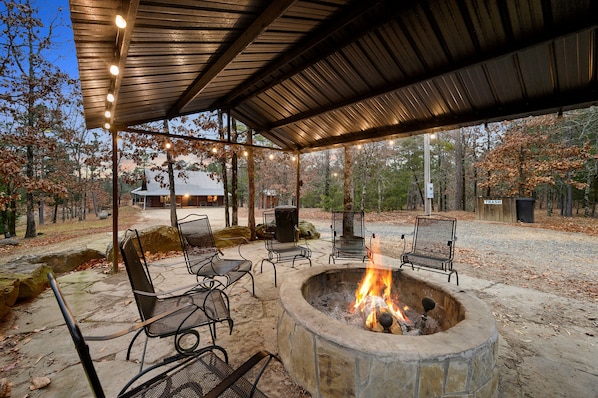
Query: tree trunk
[
  {"x": 224, "y": 171},
  {"x": 234, "y": 179},
  {"x": 30, "y": 231},
  {"x": 251, "y": 182},
  {"x": 348, "y": 180},
  {"x": 459, "y": 179},
  {"x": 171, "y": 187}
]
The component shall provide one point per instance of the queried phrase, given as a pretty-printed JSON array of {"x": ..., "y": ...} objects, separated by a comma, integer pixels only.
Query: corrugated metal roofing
[{"x": 309, "y": 74}]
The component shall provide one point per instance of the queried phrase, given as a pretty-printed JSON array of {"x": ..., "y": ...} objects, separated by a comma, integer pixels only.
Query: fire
[{"x": 374, "y": 297}]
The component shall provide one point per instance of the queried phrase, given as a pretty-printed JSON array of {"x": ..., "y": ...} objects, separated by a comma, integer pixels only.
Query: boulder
[
  {"x": 306, "y": 231},
  {"x": 33, "y": 278},
  {"x": 9, "y": 242},
  {"x": 157, "y": 239},
  {"x": 9, "y": 292},
  {"x": 224, "y": 238},
  {"x": 68, "y": 260}
]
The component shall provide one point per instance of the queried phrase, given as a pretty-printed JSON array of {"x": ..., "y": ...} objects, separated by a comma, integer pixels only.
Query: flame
[{"x": 374, "y": 295}]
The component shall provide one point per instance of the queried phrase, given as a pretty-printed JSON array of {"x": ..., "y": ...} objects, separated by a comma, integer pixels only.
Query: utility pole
[{"x": 428, "y": 187}]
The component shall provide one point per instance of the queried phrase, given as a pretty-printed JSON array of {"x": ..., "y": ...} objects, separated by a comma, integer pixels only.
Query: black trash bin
[
  {"x": 286, "y": 220},
  {"x": 525, "y": 209}
]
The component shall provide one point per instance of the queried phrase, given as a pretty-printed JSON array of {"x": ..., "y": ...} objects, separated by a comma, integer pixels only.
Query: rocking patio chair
[
  {"x": 202, "y": 256},
  {"x": 433, "y": 247},
  {"x": 281, "y": 238},
  {"x": 348, "y": 236},
  {"x": 203, "y": 305},
  {"x": 199, "y": 373}
]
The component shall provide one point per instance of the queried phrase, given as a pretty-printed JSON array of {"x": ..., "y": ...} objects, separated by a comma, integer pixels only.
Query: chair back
[
  {"x": 348, "y": 224},
  {"x": 138, "y": 277},
  {"x": 197, "y": 241},
  {"x": 78, "y": 339},
  {"x": 435, "y": 235}
]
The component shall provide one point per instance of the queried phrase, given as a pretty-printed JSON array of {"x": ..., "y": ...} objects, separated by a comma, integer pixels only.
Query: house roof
[
  {"x": 310, "y": 74},
  {"x": 196, "y": 183}
]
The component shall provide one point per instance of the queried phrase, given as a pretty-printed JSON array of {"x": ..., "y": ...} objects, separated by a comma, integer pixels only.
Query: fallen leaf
[{"x": 39, "y": 382}]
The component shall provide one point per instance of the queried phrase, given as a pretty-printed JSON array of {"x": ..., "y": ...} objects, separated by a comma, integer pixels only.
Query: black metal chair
[
  {"x": 348, "y": 236},
  {"x": 281, "y": 238},
  {"x": 200, "y": 373},
  {"x": 203, "y": 305},
  {"x": 433, "y": 247},
  {"x": 203, "y": 257}
]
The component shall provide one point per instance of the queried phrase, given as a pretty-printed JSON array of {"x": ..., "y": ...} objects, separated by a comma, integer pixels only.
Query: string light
[
  {"x": 120, "y": 21},
  {"x": 107, "y": 114},
  {"x": 110, "y": 97},
  {"x": 107, "y": 126},
  {"x": 114, "y": 70},
  {"x": 271, "y": 157}
]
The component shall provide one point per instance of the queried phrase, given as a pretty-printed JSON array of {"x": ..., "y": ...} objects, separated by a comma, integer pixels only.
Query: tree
[
  {"x": 531, "y": 155},
  {"x": 31, "y": 102}
]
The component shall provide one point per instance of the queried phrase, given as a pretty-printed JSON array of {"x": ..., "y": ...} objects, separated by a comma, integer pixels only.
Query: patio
[{"x": 547, "y": 343}]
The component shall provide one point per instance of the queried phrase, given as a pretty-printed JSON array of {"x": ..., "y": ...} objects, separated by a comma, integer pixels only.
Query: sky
[{"x": 63, "y": 54}]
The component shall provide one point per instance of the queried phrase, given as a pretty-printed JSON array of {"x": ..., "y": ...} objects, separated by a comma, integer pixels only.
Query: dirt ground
[{"x": 540, "y": 281}]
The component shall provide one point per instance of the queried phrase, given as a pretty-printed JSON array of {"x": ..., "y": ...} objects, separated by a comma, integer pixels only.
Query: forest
[{"x": 54, "y": 169}]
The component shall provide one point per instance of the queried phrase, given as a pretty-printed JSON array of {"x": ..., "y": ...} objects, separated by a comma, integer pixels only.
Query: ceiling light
[
  {"x": 114, "y": 70},
  {"x": 120, "y": 21},
  {"x": 110, "y": 97},
  {"x": 107, "y": 114}
]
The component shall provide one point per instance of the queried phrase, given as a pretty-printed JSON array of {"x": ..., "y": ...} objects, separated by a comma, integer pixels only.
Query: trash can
[
  {"x": 525, "y": 209},
  {"x": 286, "y": 220}
]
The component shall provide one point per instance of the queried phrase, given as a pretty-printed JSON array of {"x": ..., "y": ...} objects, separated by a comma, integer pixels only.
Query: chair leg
[{"x": 131, "y": 343}]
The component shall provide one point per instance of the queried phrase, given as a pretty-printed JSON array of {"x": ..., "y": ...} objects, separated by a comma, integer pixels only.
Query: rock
[
  {"x": 33, "y": 278},
  {"x": 306, "y": 231},
  {"x": 9, "y": 292},
  {"x": 223, "y": 237},
  {"x": 69, "y": 260},
  {"x": 9, "y": 242},
  {"x": 158, "y": 239}
]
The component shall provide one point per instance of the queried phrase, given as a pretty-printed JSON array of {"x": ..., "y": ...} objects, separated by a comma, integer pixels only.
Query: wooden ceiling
[{"x": 314, "y": 74}]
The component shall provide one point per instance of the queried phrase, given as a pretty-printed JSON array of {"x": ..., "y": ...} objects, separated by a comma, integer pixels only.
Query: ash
[{"x": 339, "y": 305}]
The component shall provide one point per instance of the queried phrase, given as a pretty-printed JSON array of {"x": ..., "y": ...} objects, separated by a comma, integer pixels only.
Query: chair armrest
[
  {"x": 136, "y": 326},
  {"x": 183, "y": 289}
]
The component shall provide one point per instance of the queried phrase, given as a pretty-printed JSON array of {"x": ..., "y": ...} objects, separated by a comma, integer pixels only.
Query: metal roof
[{"x": 310, "y": 74}]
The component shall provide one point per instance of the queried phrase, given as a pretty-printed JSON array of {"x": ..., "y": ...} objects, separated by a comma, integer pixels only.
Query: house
[{"x": 197, "y": 189}]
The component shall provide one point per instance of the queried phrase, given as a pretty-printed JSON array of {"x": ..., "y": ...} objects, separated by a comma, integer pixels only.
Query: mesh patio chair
[
  {"x": 348, "y": 236},
  {"x": 281, "y": 238},
  {"x": 202, "y": 305},
  {"x": 203, "y": 257},
  {"x": 433, "y": 246},
  {"x": 202, "y": 373}
]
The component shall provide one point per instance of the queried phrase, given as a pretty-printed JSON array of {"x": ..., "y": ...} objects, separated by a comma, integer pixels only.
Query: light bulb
[{"x": 120, "y": 21}]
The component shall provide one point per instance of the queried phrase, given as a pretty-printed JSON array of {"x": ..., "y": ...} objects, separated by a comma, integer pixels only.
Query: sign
[
  {"x": 430, "y": 191},
  {"x": 493, "y": 201}
]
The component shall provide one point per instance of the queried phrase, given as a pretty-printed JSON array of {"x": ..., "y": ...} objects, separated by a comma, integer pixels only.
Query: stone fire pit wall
[{"x": 331, "y": 359}]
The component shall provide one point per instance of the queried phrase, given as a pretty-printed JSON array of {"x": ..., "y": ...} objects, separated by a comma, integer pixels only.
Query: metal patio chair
[
  {"x": 202, "y": 257},
  {"x": 433, "y": 247},
  {"x": 201, "y": 373},
  {"x": 281, "y": 238},
  {"x": 348, "y": 236},
  {"x": 203, "y": 305}
]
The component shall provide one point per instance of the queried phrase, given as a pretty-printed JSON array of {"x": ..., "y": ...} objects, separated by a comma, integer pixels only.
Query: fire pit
[{"x": 331, "y": 358}]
